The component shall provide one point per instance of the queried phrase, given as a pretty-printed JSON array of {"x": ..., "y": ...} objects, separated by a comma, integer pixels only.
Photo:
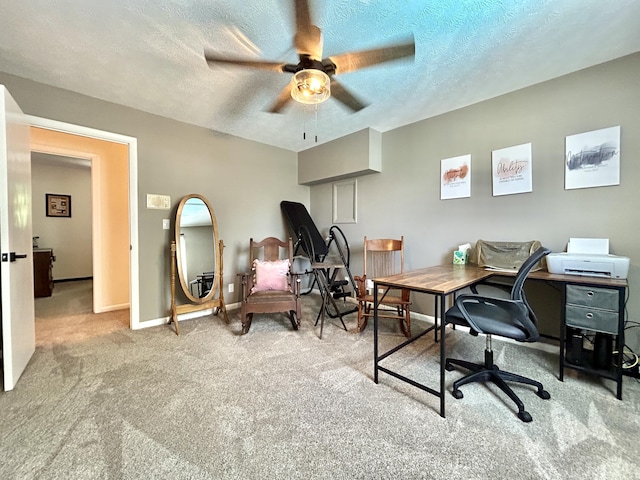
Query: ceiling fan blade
[
  {"x": 308, "y": 37},
  {"x": 284, "y": 97},
  {"x": 345, "y": 97},
  {"x": 351, "y": 61},
  {"x": 213, "y": 58}
]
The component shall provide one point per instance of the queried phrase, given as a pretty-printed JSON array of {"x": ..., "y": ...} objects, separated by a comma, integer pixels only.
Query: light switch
[{"x": 166, "y": 224}]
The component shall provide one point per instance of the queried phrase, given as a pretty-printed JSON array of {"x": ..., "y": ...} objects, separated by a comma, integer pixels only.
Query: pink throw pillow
[{"x": 270, "y": 275}]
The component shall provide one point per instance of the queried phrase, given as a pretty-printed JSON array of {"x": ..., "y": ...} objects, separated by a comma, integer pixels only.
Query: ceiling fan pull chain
[
  {"x": 316, "y": 120},
  {"x": 304, "y": 124}
]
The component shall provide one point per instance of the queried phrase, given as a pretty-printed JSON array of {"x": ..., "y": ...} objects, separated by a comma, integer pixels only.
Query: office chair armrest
[
  {"x": 491, "y": 289},
  {"x": 516, "y": 308}
]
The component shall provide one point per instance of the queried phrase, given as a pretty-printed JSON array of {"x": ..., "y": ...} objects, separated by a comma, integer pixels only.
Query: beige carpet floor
[
  {"x": 66, "y": 316},
  {"x": 283, "y": 404}
]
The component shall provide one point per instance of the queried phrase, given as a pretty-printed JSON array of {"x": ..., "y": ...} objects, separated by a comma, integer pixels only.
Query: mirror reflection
[{"x": 196, "y": 248}]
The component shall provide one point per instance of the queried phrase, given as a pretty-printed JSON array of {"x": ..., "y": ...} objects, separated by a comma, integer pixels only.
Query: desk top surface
[{"x": 445, "y": 279}]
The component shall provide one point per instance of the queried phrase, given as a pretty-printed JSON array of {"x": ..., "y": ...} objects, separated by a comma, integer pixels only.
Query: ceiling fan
[{"x": 313, "y": 79}]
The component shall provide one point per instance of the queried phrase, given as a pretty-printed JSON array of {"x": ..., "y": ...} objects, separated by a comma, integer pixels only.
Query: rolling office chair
[{"x": 510, "y": 318}]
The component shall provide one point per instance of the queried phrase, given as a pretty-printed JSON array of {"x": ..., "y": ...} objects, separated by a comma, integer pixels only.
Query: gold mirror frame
[
  {"x": 214, "y": 299},
  {"x": 179, "y": 226}
]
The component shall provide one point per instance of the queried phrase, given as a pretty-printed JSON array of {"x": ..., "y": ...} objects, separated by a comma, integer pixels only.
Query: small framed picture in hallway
[{"x": 58, "y": 205}]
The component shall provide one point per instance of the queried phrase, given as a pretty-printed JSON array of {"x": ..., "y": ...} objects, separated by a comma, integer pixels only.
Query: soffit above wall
[{"x": 350, "y": 156}]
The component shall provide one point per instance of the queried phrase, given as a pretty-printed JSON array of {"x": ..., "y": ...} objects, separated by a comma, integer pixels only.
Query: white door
[{"x": 16, "y": 265}]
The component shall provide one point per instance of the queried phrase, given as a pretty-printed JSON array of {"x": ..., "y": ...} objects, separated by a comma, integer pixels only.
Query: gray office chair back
[{"x": 517, "y": 292}]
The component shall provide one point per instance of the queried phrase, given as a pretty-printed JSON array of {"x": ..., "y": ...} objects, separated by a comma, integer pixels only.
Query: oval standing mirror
[
  {"x": 196, "y": 253},
  {"x": 196, "y": 249}
]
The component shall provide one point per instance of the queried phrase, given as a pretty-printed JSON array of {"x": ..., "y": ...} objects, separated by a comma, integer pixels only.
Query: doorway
[
  {"x": 64, "y": 139},
  {"x": 68, "y": 234},
  {"x": 66, "y": 317},
  {"x": 62, "y": 243}
]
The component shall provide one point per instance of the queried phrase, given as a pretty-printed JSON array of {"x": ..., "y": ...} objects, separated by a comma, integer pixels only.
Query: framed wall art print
[
  {"x": 511, "y": 170},
  {"x": 58, "y": 205},
  {"x": 592, "y": 159},
  {"x": 455, "y": 177}
]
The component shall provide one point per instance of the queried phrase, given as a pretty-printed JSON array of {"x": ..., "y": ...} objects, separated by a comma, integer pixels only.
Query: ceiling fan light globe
[{"x": 310, "y": 86}]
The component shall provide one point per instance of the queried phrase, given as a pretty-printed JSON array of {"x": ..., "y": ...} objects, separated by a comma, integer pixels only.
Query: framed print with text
[
  {"x": 58, "y": 205},
  {"x": 511, "y": 170},
  {"x": 592, "y": 159},
  {"x": 455, "y": 177}
]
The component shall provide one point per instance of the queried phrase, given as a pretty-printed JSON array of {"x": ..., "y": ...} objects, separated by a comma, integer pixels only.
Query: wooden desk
[
  {"x": 440, "y": 281},
  {"x": 444, "y": 280}
]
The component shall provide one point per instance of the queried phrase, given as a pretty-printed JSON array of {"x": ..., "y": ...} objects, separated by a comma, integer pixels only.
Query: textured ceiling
[{"x": 148, "y": 54}]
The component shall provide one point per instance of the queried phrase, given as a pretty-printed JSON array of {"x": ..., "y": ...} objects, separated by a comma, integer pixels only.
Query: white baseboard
[
  {"x": 185, "y": 316},
  {"x": 415, "y": 316},
  {"x": 113, "y": 308}
]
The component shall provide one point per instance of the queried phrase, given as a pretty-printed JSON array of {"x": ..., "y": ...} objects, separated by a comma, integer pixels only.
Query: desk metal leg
[
  {"x": 563, "y": 330},
  {"x": 377, "y": 357},
  {"x": 440, "y": 315},
  {"x": 620, "y": 342},
  {"x": 375, "y": 333},
  {"x": 435, "y": 318}
]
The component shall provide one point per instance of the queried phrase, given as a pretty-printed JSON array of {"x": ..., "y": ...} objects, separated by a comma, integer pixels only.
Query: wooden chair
[
  {"x": 270, "y": 287},
  {"x": 383, "y": 257}
]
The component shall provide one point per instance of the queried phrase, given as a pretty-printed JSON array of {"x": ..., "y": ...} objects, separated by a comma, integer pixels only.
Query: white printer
[{"x": 590, "y": 257}]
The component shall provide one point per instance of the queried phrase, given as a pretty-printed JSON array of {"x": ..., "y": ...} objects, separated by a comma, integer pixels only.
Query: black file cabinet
[{"x": 597, "y": 312}]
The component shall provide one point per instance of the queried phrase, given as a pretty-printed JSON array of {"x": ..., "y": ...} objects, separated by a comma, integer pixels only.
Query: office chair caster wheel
[
  {"x": 457, "y": 394},
  {"x": 524, "y": 416},
  {"x": 543, "y": 394}
]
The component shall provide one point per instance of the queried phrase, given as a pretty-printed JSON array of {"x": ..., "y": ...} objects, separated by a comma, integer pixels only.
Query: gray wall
[
  {"x": 177, "y": 159},
  {"x": 244, "y": 181},
  {"x": 405, "y": 198},
  {"x": 70, "y": 238}
]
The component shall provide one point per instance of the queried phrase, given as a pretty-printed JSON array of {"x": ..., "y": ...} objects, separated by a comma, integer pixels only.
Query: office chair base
[{"x": 490, "y": 372}]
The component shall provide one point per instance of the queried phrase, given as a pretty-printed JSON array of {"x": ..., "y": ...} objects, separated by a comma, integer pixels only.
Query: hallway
[{"x": 67, "y": 316}]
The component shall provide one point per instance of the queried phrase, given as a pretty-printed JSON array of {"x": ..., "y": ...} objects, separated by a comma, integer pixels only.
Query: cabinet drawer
[
  {"x": 592, "y": 319},
  {"x": 602, "y": 298}
]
